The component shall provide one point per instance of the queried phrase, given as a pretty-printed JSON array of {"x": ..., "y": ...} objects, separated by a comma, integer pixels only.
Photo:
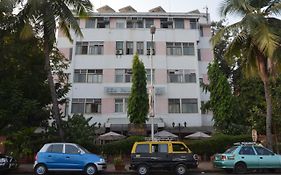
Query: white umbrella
[
  {"x": 165, "y": 134},
  {"x": 197, "y": 135},
  {"x": 111, "y": 136}
]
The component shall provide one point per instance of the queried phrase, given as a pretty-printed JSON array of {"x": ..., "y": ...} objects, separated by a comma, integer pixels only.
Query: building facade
[{"x": 100, "y": 66}]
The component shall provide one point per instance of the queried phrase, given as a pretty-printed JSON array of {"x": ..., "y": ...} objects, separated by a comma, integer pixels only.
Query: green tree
[
  {"x": 138, "y": 100},
  {"x": 43, "y": 16},
  {"x": 256, "y": 42}
]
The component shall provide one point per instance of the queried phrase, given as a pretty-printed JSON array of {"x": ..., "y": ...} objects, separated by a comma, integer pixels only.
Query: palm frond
[
  {"x": 237, "y": 7},
  {"x": 80, "y": 7},
  {"x": 274, "y": 8}
]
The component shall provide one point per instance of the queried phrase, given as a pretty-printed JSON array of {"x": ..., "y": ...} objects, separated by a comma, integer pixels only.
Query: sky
[{"x": 167, "y": 5}]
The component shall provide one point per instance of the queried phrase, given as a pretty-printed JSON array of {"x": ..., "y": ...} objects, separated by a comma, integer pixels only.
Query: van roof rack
[
  {"x": 160, "y": 139},
  {"x": 245, "y": 143}
]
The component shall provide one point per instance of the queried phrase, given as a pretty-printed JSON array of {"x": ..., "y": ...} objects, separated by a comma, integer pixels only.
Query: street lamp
[
  {"x": 179, "y": 127},
  {"x": 151, "y": 89}
]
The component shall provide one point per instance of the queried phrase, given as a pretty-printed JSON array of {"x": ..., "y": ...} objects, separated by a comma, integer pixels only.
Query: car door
[
  {"x": 54, "y": 156},
  {"x": 267, "y": 159},
  {"x": 248, "y": 155},
  {"x": 73, "y": 157},
  {"x": 159, "y": 155}
]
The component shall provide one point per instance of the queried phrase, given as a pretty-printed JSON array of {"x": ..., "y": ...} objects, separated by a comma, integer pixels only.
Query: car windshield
[
  {"x": 230, "y": 150},
  {"x": 84, "y": 149}
]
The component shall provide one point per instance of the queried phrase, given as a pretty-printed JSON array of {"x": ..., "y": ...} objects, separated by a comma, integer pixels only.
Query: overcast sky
[{"x": 167, "y": 5}]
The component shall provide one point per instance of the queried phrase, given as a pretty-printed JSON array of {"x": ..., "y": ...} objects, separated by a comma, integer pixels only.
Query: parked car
[
  {"x": 67, "y": 157},
  {"x": 245, "y": 156},
  {"x": 162, "y": 155},
  {"x": 7, "y": 163}
]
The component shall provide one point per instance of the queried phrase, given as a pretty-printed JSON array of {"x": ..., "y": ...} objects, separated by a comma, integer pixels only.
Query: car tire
[
  {"x": 240, "y": 168},
  {"x": 40, "y": 169},
  {"x": 91, "y": 169},
  {"x": 142, "y": 169},
  {"x": 180, "y": 169}
]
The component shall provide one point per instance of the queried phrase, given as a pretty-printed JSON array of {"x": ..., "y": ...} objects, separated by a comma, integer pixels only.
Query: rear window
[
  {"x": 230, "y": 150},
  {"x": 142, "y": 148},
  {"x": 55, "y": 148}
]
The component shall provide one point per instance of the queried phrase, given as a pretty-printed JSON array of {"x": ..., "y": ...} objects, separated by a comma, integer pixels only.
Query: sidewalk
[{"x": 203, "y": 167}]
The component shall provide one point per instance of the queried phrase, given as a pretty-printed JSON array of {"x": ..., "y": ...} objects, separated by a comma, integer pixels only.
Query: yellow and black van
[{"x": 160, "y": 155}]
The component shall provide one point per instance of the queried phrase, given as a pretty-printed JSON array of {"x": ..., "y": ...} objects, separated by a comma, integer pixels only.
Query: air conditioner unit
[
  {"x": 119, "y": 52},
  {"x": 148, "y": 52}
]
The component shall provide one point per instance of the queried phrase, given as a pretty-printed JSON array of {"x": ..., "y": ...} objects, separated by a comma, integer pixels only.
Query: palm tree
[
  {"x": 44, "y": 17},
  {"x": 256, "y": 41}
]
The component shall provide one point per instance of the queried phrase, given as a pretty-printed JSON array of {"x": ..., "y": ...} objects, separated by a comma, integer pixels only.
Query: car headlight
[{"x": 102, "y": 160}]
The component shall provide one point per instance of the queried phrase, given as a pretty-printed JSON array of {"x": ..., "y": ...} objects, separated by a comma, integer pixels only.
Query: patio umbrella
[
  {"x": 197, "y": 135},
  {"x": 165, "y": 134},
  {"x": 111, "y": 136}
]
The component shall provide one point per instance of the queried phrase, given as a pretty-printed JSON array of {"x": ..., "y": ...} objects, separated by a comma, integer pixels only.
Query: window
[
  {"x": 102, "y": 22},
  {"x": 71, "y": 149},
  {"x": 135, "y": 22},
  {"x": 87, "y": 106},
  {"x": 247, "y": 150},
  {"x": 88, "y": 75},
  {"x": 120, "y": 23},
  {"x": 263, "y": 151},
  {"x": 81, "y": 48},
  {"x": 148, "y": 45},
  {"x": 140, "y": 47},
  {"x": 148, "y": 75},
  {"x": 149, "y": 22},
  {"x": 70, "y": 54},
  {"x": 188, "y": 49},
  {"x": 182, "y": 106},
  {"x": 201, "y": 31},
  {"x": 174, "y": 105},
  {"x": 159, "y": 148},
  {"x": 129, "y": 48},
  {"x": 178, "y": 147},
  {"x": 121, "y": 104},
  {"x": 89, "y": 48},
  {"x": 189, "y": 106},
  {"x": 193, "y": 24},
  {"x": 181, "y": 76},
  {"x": 55, "y": 148},
  {"x": 123, "y": 75},
  {"x": 179, "y": 23},
  {"x": 230, "y": 150},
  {"x": 142, "y": 148},
  {"x": 119, "y": 47},
  {"x": 90, "y": 23},
  {"x": 95, "y": 48},
  {"x": 199, "y": 54},
  {"x": 166, "y": 23}
]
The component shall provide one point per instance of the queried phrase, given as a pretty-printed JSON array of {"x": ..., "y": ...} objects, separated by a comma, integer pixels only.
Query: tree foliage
[{"x": 138, "y": 100}]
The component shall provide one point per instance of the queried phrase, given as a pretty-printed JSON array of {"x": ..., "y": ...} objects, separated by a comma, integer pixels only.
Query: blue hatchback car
[{"x": 67, "y": 157}]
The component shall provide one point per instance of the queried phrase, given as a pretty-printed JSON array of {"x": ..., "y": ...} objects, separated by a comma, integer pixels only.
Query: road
[{"x": 157, "y": 174}]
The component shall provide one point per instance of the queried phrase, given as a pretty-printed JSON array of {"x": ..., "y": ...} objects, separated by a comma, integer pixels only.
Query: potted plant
[{"x": 119, "y": 163}]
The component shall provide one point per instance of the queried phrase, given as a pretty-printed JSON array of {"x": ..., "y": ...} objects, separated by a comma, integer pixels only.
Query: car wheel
[
  {"x": 142, "y": 169},
  {"x": 90, "y": 169},
  {"x": 240, "y": 168},
  {"x": 40, "y": 169},
  {"x": 180, "y": 169}
]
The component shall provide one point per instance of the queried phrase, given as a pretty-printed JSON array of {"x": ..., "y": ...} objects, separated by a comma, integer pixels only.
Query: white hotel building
[{"x": 100, "y": 67}]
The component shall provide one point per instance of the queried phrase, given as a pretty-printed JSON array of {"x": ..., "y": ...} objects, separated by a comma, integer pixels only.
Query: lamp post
[
  {"x": 151, "y": 89},
  {"x": 179, "y": 127}
]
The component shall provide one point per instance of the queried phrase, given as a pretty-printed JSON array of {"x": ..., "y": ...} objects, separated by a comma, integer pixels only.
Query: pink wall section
[
  {"x": 60, "y": 33},
  {"x": 161, "y": 105},
  {"x": 205, "y": 79},
  {"x": 82, "y": 23},
  {"x": 206, "y": 54},
  {"x": 160, "y": 48},
  {"x": 186, "y": 24},
  {"x": 207, "y": 31},
  {"x": 108, "y": 75},
  {"x": 161, "y": 76},
  {"x": 109, "y": 48},
  {"x": 157, "y": 23},
  {"x": 65, "y": 52},
  {"x": 107, "y": 106},
  {"x": 112, "y": 24}
]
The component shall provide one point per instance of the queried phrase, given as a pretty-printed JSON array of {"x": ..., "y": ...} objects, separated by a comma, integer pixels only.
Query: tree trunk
[
  {"x": 268, "y": 100},
  {"x": 55, "y": 107}
]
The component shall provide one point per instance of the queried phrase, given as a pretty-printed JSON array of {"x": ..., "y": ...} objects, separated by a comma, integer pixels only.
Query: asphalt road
[{"x": 155, "y": 174}]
